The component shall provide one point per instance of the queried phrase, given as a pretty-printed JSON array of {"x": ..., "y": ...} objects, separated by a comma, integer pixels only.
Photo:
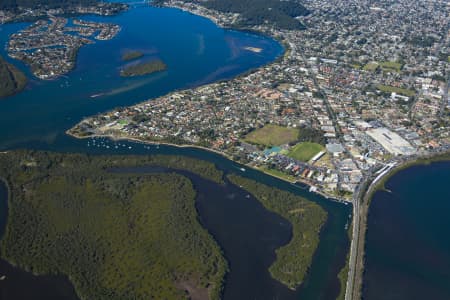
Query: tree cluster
[
  {"x": 281, "y": 14},
  {"x": 115, "y": 234},
  {"x": 294, "y": 259},
  {"x": 11, "y": 79},
  {"x": 13, "y": 4}
]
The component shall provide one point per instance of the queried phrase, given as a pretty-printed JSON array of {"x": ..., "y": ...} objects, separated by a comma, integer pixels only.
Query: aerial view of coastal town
[{"x": 312, "y": 150}]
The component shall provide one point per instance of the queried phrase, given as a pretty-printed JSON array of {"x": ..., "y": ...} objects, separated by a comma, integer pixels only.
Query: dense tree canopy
[
  {"x": 115, "y": 235},
  {"x": 281, "y": 14},
  {"x": 294, "y": 259},
  {"x": 255, "y": 12},
  {"x": 11, "y": 79},
  {"x": 11, "y": 4}
]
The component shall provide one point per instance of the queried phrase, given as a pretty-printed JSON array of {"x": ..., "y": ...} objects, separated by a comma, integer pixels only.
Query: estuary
[{"x": 196, "y": 52}]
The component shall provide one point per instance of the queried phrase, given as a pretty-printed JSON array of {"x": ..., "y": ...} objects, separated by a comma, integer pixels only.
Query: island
[
  {"x": 132, "y": 55},
  {"x": 50, "y": 47},
  {"x": 143, "y": 68},
  {"x": 12, "y": 80}
]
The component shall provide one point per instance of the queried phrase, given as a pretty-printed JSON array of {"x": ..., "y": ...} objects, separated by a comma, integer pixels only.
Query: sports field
[
  {"x": 305, "y": 151},
  {"x": 393, "y": 89},
  {"x": 272, "y": 135}
]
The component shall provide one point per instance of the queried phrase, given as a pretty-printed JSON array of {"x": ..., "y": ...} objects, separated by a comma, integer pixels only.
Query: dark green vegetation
[
  {"x": 11, "y": 79},
  {"x": 143, "y": 68},
  {"x": 131, "y": 55},
  {"x": 116, "y": 235},
  {"x": 294, "y": 259},
  {"x": 422, "y": 40},
  {"x": 308, "y": 134},
  {"x": 258, "y": 12},
  {"x": 12, "y": 4}
]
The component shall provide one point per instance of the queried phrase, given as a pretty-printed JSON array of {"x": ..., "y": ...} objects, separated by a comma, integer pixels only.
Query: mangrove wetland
[
  {"x": 134, "y": 235},
  {"x": 294, "y": 259},
  {"x": 130, "y": 236}
]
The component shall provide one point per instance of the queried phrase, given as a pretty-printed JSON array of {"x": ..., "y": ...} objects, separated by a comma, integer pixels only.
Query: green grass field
[
  {"x": 372, "y": 66},
  {"x": 272, "y": 135},
  {"x": 391, "y": 66},
  {"x": 385, "y": 66},
  {"x": 305, "y": 151},
  {"x": 392, "y": 89}
]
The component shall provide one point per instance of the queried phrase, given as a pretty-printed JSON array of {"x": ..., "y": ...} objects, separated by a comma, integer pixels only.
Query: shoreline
[
  {"x": 285, "y": 53},
  {"x": 249, "y": 30},
  {"x": 5, "y": 182},
  {"x": 361, "y": 204},
  {"x": 115, "y": 8},
  {"x": 416, "y": 161},
  {"x": 355, "y": 289},
  {"x": 223, "y": 154}
]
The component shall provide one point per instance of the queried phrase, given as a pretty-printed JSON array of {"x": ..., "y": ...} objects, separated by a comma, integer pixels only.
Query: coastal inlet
[{"x": 50, "y": 48}]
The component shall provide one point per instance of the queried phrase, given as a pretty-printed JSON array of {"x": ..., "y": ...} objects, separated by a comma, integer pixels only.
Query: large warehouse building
[{"x": 391, "y": 141}]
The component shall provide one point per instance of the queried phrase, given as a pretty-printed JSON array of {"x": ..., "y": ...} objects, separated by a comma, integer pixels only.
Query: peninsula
[
  {"x": 293, "y": 260},
  {"x": 115, "y": 224},
  {"x": 360, "y": 90},
  {"x": 12, "y": 80},
  {"x": 116, "y": 220},
  {"x": 31, "y": 10}
]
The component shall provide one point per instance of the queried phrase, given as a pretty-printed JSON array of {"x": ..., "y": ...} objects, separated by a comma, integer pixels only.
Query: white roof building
[{"x": 391, "y": 141}]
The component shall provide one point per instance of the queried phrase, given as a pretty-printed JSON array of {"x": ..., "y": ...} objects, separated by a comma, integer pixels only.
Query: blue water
[
  {"x": 196, "y": 52},
  {"x": 408, "y": 238},
  {"x": 321, "y": 281}
]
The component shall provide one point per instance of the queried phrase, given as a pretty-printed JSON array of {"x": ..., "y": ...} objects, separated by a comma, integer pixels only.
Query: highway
[
  {"x": 360, "y": 210},
  {"x": 353, "y": 246}
]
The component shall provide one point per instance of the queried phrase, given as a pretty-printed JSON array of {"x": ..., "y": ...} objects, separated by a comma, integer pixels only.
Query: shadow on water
[{"x": 16, "y": 284}]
